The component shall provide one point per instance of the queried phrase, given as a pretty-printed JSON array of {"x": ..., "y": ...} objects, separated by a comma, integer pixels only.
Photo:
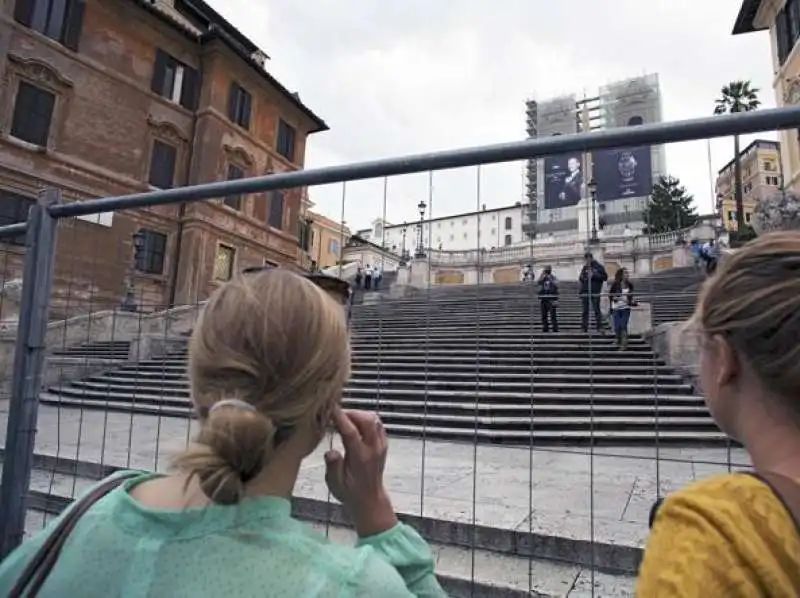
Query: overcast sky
[{"x": 394, "y": 78}]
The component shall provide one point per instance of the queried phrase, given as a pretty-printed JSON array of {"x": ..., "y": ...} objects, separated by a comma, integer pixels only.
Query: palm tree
[{"x": 737, "y": 96}]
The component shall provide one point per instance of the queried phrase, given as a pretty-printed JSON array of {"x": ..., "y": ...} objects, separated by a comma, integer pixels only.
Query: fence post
[{"x": 37, "y": 282}]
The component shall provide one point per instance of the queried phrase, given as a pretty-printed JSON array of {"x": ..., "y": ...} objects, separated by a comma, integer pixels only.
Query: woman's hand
[{"x": 356, "y": 478}]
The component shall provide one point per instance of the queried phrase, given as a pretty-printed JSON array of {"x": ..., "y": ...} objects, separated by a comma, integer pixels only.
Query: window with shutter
[
  {"x": 782, "y": 36},
  {"x": 150, "y": 259},
  {"x": 175, "y": 81},
  {"x": 276, "y": 209},
  {"x": 234, "y": 201},
  {"x": 14, "y": 209},
  {"x": 240, "y": 105},
  {"x": 162, "y": 165},
  {"x": 33, "y": 113},
  {"x": 61, "y": 20},
  {"x": 286, "y": 140}
]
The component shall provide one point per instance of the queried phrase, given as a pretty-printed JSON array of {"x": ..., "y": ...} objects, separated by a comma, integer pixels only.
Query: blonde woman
[
  {"x": 268, "y": 361},
  {"x": 737, "y": 535}
]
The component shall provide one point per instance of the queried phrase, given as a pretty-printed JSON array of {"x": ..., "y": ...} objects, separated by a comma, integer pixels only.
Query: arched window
[
  {"x": 634, "y": 121},
  {"x": 508, "y": 222}
]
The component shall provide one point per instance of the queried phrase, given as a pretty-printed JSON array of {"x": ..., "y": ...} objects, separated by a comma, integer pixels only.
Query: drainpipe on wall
[{"x": 176, "y": 257}]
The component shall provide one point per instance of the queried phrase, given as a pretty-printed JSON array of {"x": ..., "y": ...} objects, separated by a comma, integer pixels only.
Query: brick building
[{"x": 110, "y": 97}]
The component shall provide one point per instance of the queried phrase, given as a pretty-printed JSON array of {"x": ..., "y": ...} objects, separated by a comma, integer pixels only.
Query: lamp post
[
  {"x": 129, "y": 301},
  {"x": 404, "y": 230},
  {"x": 421, "y": 206},
  {"x": 593, "y": 193}
]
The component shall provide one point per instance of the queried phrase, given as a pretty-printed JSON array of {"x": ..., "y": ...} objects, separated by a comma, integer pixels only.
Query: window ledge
[
  {"x": 157, "y": 278},
  {"x": 781, "y": 72},
  {"x": 26, "y": 145}
]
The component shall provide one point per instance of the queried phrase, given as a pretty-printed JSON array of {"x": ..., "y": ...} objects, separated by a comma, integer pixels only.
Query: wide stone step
[
  {"x": 602, "y": 344},
  {"x": 460, "y": 414},
  {"x": 478, "y": 384},
  {"x": 489, "y": 397},
  {"x": 444, "y": 366},
  {"x": 667, "y": 296},
  {"x": 526, "y": 333},
  {"x": 561, "y": 423},
  {"x": 89, "y": 355},
  {"x": 457, "y": 365},
  {"x": 538, "y": 431},
  {"x": 181, "y": 388},
  {"x": 493, "y": 396},
  {"x": 529, "y": 377},
  {"x": 690, "y": 407},
  {"x": 585, "y": 356}
]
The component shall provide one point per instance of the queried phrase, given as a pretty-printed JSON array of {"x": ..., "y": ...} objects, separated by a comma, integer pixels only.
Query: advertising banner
[
  {"x": 623, "y": 172},
  {"x": 563, "y": 180}
]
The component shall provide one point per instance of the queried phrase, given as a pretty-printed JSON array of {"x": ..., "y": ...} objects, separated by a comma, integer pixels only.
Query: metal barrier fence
[{"x": 529, "y": 460}]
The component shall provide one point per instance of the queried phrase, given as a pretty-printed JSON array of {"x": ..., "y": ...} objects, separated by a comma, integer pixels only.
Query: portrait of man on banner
[{"x": 563, "y": 180}]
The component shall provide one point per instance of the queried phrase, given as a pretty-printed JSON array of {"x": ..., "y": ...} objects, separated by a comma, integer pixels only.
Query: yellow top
[{"x": 726, "y": 537}]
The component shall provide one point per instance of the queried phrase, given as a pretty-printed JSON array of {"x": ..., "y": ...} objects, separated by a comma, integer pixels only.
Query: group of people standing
[
  {"x": 592, "y": 277},
  {"x": 369, "y": 278},
  {"x": 705, "y": 255}
]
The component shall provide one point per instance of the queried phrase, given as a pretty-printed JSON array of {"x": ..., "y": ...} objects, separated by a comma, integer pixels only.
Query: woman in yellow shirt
[{"x": 733, "y": 536}]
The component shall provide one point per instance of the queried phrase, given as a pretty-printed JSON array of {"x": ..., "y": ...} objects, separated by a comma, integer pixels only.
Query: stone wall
[
  {"x": 150, "y": 335},
  {"x": 677, "y": 345}
]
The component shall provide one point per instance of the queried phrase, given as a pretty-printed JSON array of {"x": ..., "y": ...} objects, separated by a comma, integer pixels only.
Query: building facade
[
  {"x": 781, "y": 18},
  {"x": 557, "y": 184},
  {"x": 487, "y": 229},
  {"x": 111, "y": 97},
  {"x": 327, "y": 240},
  {"x": 761, "y": 177}
]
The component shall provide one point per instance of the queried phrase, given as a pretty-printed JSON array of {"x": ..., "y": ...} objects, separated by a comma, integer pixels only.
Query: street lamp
[
  {"x": 593, "y": 192},
  {"x": 129, "y": 301},
  {"x": 404, "y": 230},
  {"x": 421, "y": 206}
]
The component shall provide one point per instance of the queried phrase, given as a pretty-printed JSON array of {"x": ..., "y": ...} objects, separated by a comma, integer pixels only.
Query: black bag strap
[{"x": 39, "y": 567}]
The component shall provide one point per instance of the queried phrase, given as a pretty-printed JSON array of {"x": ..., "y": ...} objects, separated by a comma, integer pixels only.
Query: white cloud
[{"x": 418, "y": 76}]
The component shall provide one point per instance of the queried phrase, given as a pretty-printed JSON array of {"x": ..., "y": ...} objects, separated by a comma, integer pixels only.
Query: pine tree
[{"x": 670, "y": 207}]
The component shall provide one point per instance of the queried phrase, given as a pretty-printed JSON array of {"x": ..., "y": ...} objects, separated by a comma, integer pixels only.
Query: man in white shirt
[{"x": 368, "y": 274}]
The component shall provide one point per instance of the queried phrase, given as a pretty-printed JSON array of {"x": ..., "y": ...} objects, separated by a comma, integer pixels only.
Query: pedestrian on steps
[
  {"x": 359, "y": 277},
  {"x": 592, "y": 277},
  {"x": 368, "y": 274},
  {"x": 620, "y": 297},
  {"x": 708, "y": 253},
  {"x": 548, "y": 299}
]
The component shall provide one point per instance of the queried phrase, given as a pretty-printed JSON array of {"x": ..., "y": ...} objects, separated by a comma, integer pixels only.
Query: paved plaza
[
  {"x": 570, "y": 493},
  {"x": 556, "y": 491}
]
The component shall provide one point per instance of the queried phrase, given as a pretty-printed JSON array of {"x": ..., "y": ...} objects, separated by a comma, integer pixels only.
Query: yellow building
[
  {"x": 760, "y": 178},
  {"x": 328, "y": 238},
  {"x": 782, "y": 19}
]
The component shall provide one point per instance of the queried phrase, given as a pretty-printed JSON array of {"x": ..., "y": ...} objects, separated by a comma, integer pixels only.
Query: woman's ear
[{"x": 727, "y": 361}]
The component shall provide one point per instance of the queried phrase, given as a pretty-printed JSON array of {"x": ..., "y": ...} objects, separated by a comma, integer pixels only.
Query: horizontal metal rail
[
  {"x": 652, "y": 134},
  {"x": 13, "y": 230}
]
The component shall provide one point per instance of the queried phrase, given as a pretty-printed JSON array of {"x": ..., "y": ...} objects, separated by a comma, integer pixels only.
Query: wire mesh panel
[{"x": 530, "y": 436}]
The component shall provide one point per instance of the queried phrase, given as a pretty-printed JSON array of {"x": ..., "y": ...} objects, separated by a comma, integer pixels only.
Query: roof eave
[
  {"x": 745, "y": 20},
  {"x": 319, "y": 125}
]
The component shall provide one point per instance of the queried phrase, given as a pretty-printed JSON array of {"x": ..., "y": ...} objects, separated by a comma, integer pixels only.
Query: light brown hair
[
  {"x": 753, "y": 301},
  {"x": 278, "y": 342}
]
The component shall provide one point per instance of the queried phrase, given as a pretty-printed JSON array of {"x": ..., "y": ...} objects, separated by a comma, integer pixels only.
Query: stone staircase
[
  {"x": 671, "y": 293},
  {"x": 96, "y": 350},
  {"x": 471, "y": 364}
]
